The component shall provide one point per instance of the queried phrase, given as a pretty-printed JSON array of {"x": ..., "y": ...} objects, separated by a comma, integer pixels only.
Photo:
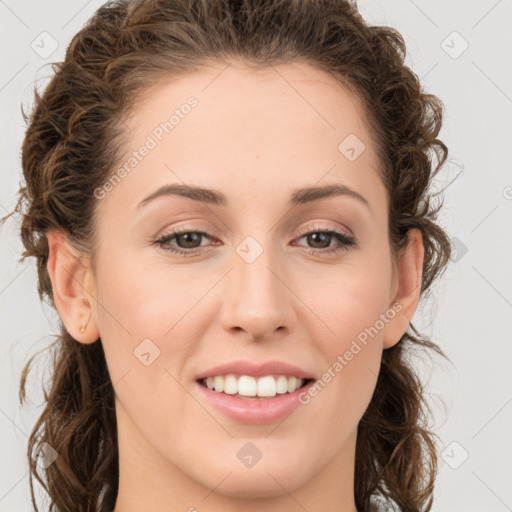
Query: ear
[
  {"x": 407, "y": 285},
  {"x": 73, "y": 288}
]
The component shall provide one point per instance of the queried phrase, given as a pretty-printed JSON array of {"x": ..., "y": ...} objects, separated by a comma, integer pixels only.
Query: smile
[{"x": 247, "y": 386}]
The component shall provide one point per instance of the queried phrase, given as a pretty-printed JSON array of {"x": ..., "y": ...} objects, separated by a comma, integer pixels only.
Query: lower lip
[{"x": 266, "y": 410}]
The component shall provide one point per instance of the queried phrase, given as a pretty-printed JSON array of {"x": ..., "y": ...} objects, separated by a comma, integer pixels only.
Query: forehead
[
  {"x": 294, "y": 96},
  {"x": 250, "y": 132}
]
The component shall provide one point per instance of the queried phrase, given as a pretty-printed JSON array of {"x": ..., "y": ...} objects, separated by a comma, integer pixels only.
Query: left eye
[
  {"x": 189, "y": 242},
  {"x": 324, "y": 238}
]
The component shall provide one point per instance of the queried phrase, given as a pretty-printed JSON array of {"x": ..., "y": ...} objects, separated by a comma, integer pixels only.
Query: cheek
[
  {"x": 351, "y": 305},
  {"x": 348, "y": 299},
  {"x": 128, "y": 318},
  {"x": 144, "y": 325},
  {"x": 136, "y": 299},
  {"x": 144, "y": 345},
  {"x": 351, "y": 355}
]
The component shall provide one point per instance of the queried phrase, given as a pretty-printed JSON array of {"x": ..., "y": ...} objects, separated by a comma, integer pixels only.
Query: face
[{"x": 266, "y": 273}]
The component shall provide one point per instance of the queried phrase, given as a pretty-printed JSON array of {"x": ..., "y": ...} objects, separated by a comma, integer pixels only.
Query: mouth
[{"x": 247, "y": 387}]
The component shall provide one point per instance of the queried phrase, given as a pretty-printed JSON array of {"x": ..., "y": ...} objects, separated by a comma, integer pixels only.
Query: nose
[{"x": 258, "y": 300}]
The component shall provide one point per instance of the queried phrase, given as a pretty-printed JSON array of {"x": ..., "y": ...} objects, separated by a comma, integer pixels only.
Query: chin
[
  {"x": 266, "y": 479},
  {"x": 249, "y": 485}
]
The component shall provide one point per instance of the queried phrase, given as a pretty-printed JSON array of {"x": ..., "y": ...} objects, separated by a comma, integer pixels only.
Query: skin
[{"x": 255, "y": 136}]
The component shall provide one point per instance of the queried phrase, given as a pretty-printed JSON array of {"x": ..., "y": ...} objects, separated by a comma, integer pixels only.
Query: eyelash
[{"x": 346, "y": 241}]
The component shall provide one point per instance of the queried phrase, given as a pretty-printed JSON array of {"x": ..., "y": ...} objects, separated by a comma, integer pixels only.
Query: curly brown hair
[{"x": 73, "y": 138}]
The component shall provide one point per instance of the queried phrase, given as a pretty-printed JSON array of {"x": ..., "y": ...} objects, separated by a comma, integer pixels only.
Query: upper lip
[{"x": 256, "y": 369}]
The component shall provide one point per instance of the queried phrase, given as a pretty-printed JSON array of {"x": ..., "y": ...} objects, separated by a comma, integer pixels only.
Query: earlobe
[
  {"x": 408, "y": 285},
  {"x": 73, "y": 288}
]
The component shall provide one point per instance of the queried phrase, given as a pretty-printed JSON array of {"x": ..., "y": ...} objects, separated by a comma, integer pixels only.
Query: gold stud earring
[{"x": 83, "y": 327}]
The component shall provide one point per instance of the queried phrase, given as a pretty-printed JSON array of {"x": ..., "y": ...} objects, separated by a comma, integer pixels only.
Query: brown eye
[
  {"x": 320, "y": 240},
  {"x": 188, "y": 242}
]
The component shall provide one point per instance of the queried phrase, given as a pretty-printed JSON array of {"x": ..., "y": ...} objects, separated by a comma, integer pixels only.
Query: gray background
[{"x": 470, "y": 312}]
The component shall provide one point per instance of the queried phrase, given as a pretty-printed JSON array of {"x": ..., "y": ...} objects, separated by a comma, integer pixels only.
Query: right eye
[{"x": 185, "y": 237}]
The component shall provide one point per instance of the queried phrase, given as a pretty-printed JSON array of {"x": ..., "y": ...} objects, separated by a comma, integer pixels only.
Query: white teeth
[
  {"x": 218, "y": 383},
  {"x": 230, "y": 385},
  {"x": 282, "y": 385},
  {"x": 247, "y": 385},
  {"x": 267, "y": 386}
]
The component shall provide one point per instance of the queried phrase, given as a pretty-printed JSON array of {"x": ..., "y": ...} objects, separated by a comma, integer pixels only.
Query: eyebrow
[{"x": 215, "y": 197}]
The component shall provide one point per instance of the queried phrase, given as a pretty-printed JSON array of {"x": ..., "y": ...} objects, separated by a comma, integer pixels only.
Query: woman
[{"x": 230, "y": 209}]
